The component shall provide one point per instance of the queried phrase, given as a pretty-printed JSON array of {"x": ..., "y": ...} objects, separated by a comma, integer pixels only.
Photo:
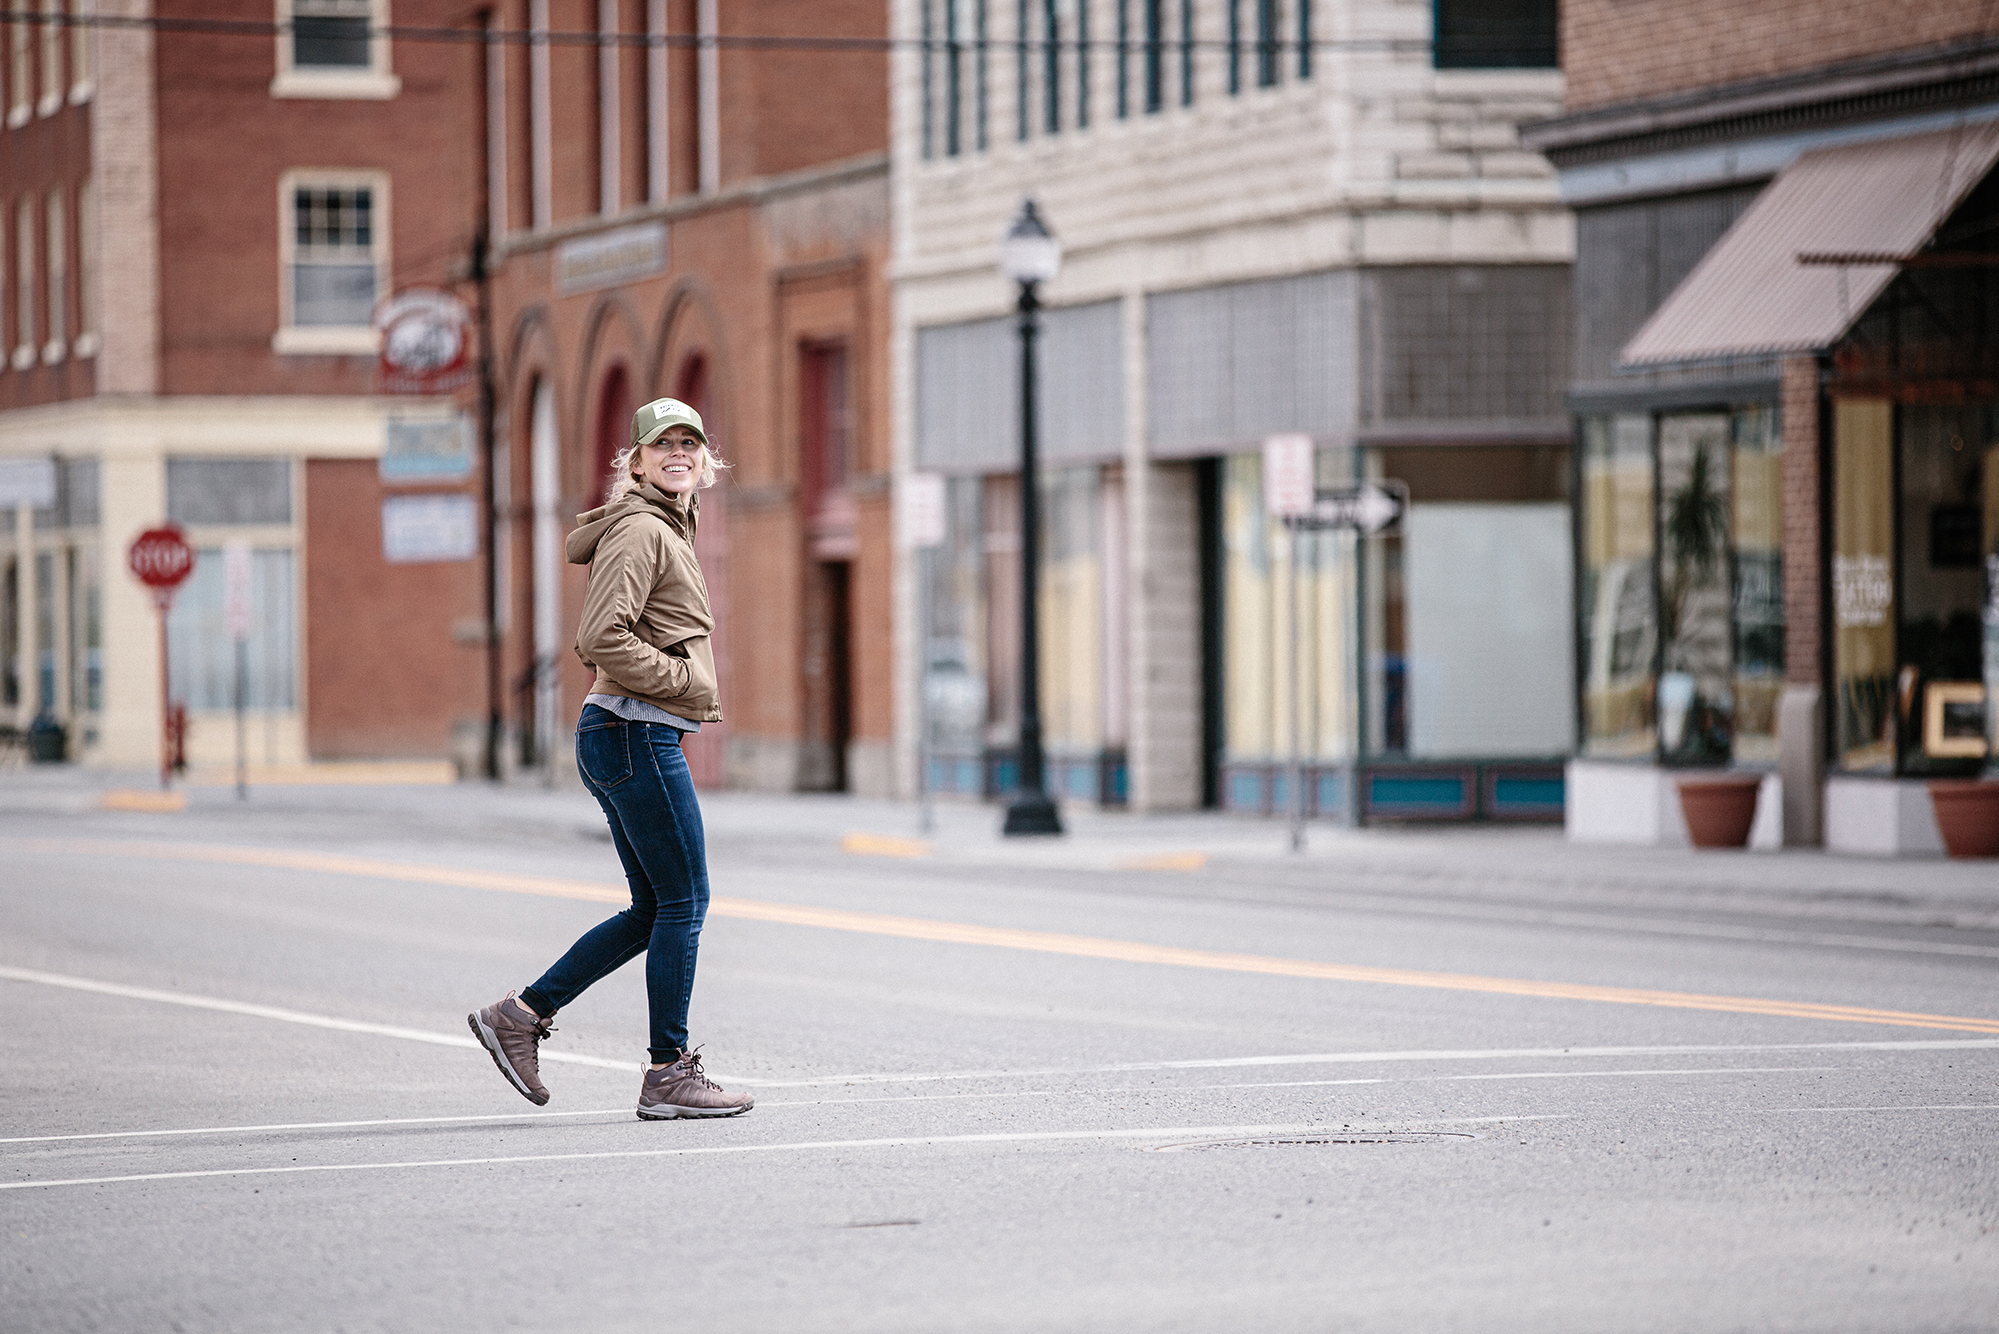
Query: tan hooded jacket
[{"x": 645, "y": 621}]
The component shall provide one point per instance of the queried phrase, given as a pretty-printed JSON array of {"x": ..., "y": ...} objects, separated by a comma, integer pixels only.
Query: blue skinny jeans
[{"x": 639, "y": 776}]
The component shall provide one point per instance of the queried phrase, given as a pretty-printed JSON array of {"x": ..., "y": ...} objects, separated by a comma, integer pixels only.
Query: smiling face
[{"x": 672, "y": 463}]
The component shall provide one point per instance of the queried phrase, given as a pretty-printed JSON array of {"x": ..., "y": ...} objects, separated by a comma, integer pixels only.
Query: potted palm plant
[{"x": 1694, "y": 726}]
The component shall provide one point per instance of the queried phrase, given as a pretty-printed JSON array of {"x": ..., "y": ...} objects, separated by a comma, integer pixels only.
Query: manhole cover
[{"x": 1312, "y": 1141}]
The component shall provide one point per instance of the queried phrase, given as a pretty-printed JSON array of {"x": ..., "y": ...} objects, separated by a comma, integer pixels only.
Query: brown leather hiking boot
[
  {"x": 682, "y": 1090},
  {"x": 512, "y": 1036}
]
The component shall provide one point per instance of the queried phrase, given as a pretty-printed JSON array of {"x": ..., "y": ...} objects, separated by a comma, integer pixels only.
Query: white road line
[
  {"x": 909, "y": 1097},
  {"x": 887, "y": 1142},
  {"x": 1933, "y": 1107},
  {"x": 1372, "y": 1057},
  {"x": 309, "y": 1125},
  {"x": 11, "y": 974}
]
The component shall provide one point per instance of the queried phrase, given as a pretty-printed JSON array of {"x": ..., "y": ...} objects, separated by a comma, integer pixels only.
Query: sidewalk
[{"x": 1456, "y": 859}]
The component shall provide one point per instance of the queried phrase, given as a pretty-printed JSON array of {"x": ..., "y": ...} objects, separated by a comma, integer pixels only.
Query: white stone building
[{"x": 1277, "y": 216}]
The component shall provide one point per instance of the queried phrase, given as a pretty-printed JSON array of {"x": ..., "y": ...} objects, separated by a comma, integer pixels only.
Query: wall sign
[
  {"x": 419, "y": 530},
  {"x": 426, "y": 451},
  {"x": 610, "y": 258}
]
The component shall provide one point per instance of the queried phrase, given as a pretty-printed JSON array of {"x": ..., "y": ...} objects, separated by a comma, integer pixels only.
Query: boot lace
[{"x": 696, "y": 1073}]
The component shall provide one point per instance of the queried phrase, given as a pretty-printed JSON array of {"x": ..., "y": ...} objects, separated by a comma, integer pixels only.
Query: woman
[{"x": 645, "y": 633}]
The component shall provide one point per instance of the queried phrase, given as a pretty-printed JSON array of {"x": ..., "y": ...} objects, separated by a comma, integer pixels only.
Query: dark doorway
[{"x": 826, "y": 724}]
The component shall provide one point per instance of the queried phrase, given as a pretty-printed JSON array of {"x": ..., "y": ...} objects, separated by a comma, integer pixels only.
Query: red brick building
[
  {"x": 1786, "y": 397},
  {"x": 680, "y": 210},
  {"x": 197, "y": 226}
]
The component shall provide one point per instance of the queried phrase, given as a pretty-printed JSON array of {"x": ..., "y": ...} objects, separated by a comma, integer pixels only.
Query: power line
[{"x": 695, "y": 41}]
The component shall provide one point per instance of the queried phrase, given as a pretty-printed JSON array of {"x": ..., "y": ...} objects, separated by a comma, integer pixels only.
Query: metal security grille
[
  {"x": 1630, "y": 257},
  {"x": 1235, "y": 363},
  {"x": 968, "y": 390},
  {"x": 1467, "y": 343}
]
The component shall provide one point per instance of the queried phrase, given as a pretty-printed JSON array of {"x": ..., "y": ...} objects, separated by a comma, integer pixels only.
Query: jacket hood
[{"x": 678, "y": 512}]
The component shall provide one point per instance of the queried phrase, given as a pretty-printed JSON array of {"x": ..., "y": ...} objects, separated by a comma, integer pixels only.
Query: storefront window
[
  {"x": 1259, "y": 605},
  {"x": 955, "y": 657},
  {"x": 202, "y": 654},
  {"x": 1072, "y": 609},
  {"x": 1619, "y": 624},
  {"x": 1467, "y": 621},
  {"x": 1696, "y": 699},
  {"x": 1945, "y": 537},
  {"x": 86, "y": 631},
  {"x": 1863, "y": 585},
  {"x": 1757, "y": 503}
]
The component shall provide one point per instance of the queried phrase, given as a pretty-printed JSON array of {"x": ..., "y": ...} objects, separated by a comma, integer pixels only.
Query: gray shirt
[{"x": 638, "y": 711}]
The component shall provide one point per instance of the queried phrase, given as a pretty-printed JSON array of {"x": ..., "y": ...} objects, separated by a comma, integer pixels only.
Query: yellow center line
[{"x": 999, "y": 937}]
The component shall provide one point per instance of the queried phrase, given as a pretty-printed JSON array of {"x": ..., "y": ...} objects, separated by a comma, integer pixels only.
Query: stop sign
[{"x": 161, "y": 559}]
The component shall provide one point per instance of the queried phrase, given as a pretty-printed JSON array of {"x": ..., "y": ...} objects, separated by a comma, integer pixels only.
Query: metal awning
[{"x": 1815, "y": 249}]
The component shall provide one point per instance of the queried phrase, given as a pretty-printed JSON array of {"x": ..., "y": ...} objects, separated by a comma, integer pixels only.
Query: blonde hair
[{"x": 623, "y": 483}]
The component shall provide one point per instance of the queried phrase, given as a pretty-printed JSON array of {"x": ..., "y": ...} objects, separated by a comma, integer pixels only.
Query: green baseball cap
[{"x": 653, "y": 420}]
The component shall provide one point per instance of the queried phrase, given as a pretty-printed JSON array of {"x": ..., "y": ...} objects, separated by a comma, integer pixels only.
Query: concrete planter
[
  {"x": 1967, "y": 816},
  {"x": 1719, "y": 811}
]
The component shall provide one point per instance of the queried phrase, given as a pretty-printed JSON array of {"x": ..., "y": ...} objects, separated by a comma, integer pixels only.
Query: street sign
[
  {"x": 1287, "y": 476},
  {"x": 923, "y": 510},
  {"x": 236, "y": 589},
  {"x": 161, "y": 559},
  {"x": 1370, "y": 507}
]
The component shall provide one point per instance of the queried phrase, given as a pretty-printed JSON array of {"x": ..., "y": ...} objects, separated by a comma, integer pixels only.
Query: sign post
[
  {"x": 236, "y": 611},
  {"x": 923, "y": 530},
  {"x": 1288, "y": 467},
  {"x": 161, "y": 559}
]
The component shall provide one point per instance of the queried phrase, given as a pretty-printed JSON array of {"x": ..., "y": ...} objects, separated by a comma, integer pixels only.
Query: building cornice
[
  {"x": 757, "y": 190},
  {"x": 1899, "y": 84}
]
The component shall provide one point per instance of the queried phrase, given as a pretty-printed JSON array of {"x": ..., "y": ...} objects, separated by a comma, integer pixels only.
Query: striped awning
[{"x": 1818, "y": 245}]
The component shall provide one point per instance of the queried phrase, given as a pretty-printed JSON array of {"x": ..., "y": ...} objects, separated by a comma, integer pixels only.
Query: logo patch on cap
[{"x": 666, "y": 407}]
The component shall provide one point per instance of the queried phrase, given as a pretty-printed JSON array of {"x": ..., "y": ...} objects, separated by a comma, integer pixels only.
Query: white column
[
  {"x": 541, "y": 147},
  {"x": 125, "y": 167},
  {"x": 657, "y": 162},
  {"x": 132, "y": 498},
  {"x": 496, "y": 135},
  {"x": 610, "y": 189},
  {"x": 60, "y": 638},
  {"x": 709, "y": 68},
  {"x": 545, "y": 468}
]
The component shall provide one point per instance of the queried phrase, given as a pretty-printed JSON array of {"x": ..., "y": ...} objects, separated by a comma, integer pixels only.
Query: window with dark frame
[
  {"x": 1266, "y": 43},
  {"x": 1155, "y": 55},
  {"x": 1496, "y": 34},
  {"x": 330, "y": 34}
]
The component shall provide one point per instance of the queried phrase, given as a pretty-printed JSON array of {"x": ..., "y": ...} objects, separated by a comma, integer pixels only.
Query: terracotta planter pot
[
  {"x": 1967, "y": 816},
  {"x": 1720, "y": 811}
]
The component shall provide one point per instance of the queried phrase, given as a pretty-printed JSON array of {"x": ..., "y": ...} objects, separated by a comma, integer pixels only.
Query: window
[
  {"x": 199, "y": 647},
  {"x": 1155, "y": 55},
  {"x": 1051, "y": 68},
  {"x": 1266, "y": 43},
  {"x": 86, "y": 270},
  {"x": 335, "y": 261},
  {"x": 1495, "y": 34},
  {"x": 1235, "y": 46},
  {"x": 25, "y": 323},
  {"x": 52, "y": 80},
  {"x": 333, "y": 48},
  {"x": 1186, "y": 53},
  {"x": 57, "y": 346},
  {"x": 83, "y": 53},
  {"x": 21, "y": 68}
]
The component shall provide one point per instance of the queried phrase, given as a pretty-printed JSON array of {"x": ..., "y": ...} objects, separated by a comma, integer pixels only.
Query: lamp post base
[{"x": 1032, "y": 814}]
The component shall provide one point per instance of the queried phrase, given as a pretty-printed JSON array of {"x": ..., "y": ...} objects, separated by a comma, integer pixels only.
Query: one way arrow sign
[{"x": 1370, "y": 507}]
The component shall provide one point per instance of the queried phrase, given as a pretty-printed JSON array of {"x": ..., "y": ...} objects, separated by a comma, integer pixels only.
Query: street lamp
[{"x": 1030, "y": 256}]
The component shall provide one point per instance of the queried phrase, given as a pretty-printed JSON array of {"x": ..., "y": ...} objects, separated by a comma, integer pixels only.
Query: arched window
[{"x": 614, "y": 422}]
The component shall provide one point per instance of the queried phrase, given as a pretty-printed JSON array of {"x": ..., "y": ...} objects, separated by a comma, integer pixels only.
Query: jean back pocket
[{"x": 604, "y": 753}]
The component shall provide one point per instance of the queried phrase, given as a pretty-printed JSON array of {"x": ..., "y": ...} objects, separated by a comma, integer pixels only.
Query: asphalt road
[{"x": 1155, "y": 1077}]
